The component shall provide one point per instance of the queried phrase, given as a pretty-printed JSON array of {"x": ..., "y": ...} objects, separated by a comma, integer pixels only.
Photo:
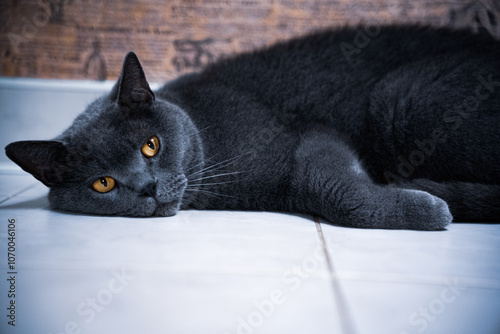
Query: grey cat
[{"x": 395, "y": 134}]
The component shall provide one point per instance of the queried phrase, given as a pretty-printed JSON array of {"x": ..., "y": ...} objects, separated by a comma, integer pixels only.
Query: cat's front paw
[{"x": 423, "y": 211}]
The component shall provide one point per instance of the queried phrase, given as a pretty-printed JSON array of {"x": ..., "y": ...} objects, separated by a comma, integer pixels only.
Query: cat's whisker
[
  {"x": 217, "y": 166},
  {"x": 217, "y": 175},
  {"x": 207, "y": 160},
  {"x": 204, "y": 129},
  {"x": 195, "y": 166},
  {"x": 190, "y": 198},
  {"x": 208, "y": 192},
  {"x": 203, "y": 162},
  {"x": 212, "y": 184}
]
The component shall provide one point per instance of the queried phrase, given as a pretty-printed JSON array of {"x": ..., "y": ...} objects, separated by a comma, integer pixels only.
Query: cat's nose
[{"x": 149, "y": 189}]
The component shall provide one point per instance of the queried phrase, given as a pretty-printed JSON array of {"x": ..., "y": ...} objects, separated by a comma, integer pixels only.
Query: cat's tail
[{"x": 468, "y": 202}]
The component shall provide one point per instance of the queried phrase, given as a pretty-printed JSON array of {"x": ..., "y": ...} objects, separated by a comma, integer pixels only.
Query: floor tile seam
[
  {"x": 343, "y": 309},
  {"x": 23, "y": 190},
  {"x": 166, "y": 268},
  {"x": 438, "y": 280}
]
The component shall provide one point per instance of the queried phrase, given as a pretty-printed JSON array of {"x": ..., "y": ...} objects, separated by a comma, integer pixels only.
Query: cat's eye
[
  {"x": 104, "y": 184},
  {"x": 151, "y": 147}
]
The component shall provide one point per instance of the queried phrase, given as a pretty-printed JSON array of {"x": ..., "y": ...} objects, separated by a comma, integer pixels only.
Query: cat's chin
[{"x": 166, "y": 209}]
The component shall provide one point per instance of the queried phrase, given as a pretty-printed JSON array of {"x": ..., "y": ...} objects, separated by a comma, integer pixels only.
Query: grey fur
[{"x": 368, "y": 140}]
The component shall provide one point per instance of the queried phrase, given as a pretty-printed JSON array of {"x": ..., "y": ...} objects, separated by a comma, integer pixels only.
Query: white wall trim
[{"x": 59, "y": 85}]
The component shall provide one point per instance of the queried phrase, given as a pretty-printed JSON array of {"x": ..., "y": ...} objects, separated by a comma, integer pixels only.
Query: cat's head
[{"x": 127, "y": 154}]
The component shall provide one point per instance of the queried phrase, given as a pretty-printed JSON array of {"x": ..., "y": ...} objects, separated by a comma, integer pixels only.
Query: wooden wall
[{"x": 87, "y": 39}]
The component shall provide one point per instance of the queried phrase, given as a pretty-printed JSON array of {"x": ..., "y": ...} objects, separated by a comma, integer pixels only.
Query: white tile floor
[{"x": 239, "y": 272}]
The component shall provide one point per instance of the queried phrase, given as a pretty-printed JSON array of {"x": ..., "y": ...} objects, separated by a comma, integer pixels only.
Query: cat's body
[{"x": 315, "y": 125}]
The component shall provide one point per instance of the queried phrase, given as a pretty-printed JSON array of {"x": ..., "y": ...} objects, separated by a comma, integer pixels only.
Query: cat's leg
[
  {"x": 467, "y": 201},
  {"x": 329, "y": 181}
]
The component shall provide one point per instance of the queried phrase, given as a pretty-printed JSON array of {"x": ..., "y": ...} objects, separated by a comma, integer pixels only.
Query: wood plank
[{"x": 87, "y": 39}]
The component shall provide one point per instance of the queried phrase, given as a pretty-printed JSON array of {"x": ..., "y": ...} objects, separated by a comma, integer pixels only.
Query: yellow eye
[
  {"x": 104, "y": 184},
  {"x": 151, "y": 147}
]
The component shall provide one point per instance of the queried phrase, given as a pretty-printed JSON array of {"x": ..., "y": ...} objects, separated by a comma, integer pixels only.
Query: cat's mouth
[{"x": 167, "y": 209}]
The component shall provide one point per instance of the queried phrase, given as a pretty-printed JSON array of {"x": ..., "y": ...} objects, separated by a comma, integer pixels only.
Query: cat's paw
[{"x": 423, "y": 211}]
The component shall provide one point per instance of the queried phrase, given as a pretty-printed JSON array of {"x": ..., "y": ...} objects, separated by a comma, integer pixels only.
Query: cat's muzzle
[
  {"x": 167, "y": 209},
  {"x": 169, "y": 192}
]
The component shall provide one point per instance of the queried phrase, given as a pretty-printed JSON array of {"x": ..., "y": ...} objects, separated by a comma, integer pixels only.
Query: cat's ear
[
  {"x": 132, "y": 89},
  {"x": 44, "y": 159}
]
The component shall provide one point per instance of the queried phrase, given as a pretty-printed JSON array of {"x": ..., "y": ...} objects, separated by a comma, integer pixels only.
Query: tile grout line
[
  {"x": 346, "y": 321},
  {"x": 18, "y": 193}
]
